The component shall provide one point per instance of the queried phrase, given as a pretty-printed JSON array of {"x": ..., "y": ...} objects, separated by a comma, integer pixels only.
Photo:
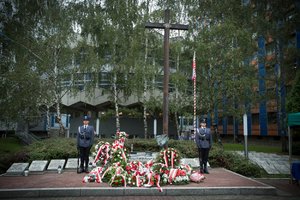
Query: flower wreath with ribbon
[
  {"x": 170, "y": 157},
  {"x": 103, "y": 152}
]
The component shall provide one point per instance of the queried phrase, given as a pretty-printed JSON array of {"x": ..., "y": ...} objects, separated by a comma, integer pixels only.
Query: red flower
[
  {"x": 180, "y": 173},
  {"x": 128, "y": 168}
]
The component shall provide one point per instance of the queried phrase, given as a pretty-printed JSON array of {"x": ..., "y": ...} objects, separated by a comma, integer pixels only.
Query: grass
[
  {"x": 10, "y": 145},
  {"x": 266, "y": 175},
  {"x": 257, "y": 148}
]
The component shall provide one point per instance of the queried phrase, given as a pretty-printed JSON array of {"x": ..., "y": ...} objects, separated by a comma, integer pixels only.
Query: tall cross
[{"x": 166, "y": 26}]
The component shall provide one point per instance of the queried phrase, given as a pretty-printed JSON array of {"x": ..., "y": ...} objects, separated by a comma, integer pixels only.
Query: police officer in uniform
[
  {"x": 203, "y": 139},
  {"x": 85, "y": 140}
]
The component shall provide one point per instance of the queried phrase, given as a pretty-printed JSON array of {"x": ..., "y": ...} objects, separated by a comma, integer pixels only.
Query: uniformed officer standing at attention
[
  {"x": 85, "y": 140},
  {"x": 203, "y": 139}
]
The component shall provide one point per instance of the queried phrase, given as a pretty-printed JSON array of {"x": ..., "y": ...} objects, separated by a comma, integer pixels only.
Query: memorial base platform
[{"x": 69, "y": 184}]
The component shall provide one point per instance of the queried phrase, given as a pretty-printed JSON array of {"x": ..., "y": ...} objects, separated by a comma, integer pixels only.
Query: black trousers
[
  {"x": 203, "y": 156},
  {"x": 84, "y": 153}
]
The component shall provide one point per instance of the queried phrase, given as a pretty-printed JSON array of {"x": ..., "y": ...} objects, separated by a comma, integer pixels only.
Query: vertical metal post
[
  {"x": 97, "y": 125},
  {"x": 155, "y": 128},
  {"x": 245, "y": 134},
  {"x": 290, "y": 151}
]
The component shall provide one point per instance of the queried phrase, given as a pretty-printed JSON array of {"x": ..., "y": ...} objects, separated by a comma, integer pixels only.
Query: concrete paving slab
[
  {"x": 55, "y": 163},
  {"x": 38, "y": 166},
  {"x": 71, "y": 164},
  {"x": 17, "y": 169}
]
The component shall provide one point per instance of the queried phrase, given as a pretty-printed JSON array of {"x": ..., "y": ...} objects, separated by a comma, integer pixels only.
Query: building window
[{"x": 104, "y": 79}]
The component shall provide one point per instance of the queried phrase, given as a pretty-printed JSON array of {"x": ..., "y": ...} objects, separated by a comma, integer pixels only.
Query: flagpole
[{"x": 194, "y": 81}]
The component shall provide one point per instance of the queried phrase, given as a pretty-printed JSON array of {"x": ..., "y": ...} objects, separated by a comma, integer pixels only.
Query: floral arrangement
[
  {"x": 102, "y": 153},
  {"x": 119, "y": 155},
  {"x": 113, "y": 167},
  {"x": 170, "y": 157},
  {"x": 197, "y": 177}
]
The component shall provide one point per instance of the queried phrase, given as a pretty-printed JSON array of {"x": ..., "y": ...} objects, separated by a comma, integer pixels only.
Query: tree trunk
[
  {"x": 116, "y": 103},
  {"x": 177, "y": 124},
  {"x": 57, "y": 95},
  {"x": 48, "y": 120}
]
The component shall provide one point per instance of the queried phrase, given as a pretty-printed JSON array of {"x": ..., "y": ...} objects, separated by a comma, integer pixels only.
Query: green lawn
[
  {"x": 10, "y": 145},
  {"x": 257, "y": 148}
]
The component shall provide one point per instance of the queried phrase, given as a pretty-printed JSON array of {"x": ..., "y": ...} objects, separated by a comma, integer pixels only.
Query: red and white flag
[
  {"x": 195, "y": 95},
  {"x": 194, "y": 67}
]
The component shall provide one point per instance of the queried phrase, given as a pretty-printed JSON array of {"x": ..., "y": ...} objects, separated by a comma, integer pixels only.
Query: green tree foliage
[
  {"x": 46, "y": 42},
  {"x": 293, "y": 101},
  {"x": 21, "y": 85},
  {"x": 222, "y": 38}
]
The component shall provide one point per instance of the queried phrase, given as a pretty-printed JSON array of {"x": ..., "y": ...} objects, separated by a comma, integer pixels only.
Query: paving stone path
[{"x": 271, "y": 163}]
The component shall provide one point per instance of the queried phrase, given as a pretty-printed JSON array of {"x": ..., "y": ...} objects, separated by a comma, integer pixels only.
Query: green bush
[
  {"x": 234, "y": 162},
  {"x": 52, "y": 148},
  {"x": 11, "y": 152}
]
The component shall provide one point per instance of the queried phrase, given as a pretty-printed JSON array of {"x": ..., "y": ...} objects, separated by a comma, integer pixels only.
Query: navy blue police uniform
[
  {"x": 85, "y": 140},
  {"x": 203, "y": 140}
]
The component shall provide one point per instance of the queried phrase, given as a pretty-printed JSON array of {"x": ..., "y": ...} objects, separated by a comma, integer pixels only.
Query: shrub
[
  {"x": 52, "y": 148},
  {"x": 234, "y": 162}
]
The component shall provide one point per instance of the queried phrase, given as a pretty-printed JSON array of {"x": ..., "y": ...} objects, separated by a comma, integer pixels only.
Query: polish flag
[{"x": 194, "y": 67}]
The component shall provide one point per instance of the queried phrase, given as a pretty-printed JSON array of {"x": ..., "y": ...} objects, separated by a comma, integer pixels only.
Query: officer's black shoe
[
  {"x": 206, "y": 171},
  {"x": 86, "y": 170},
  {"x": 80, "y": 170}
]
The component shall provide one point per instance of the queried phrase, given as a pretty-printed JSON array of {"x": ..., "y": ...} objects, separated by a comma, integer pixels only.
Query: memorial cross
[{"x": 167, "y": 27}]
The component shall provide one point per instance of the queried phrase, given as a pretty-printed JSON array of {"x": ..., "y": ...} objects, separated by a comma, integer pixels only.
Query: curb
[{"x": 108, "y": 191}]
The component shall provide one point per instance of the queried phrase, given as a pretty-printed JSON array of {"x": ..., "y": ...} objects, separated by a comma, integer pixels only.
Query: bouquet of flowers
[
  {"x": 197, "y": 177},
  {"x": 178, "y": 177},
  {"x": 135, "y": 180},
  {"x": 94, "y": 175},
  {"x": 119, "y": 155},
  {"x": 121, "y": 137},
  {"x": 102, "y": 155},
  {"x": 115, "y": 175},
  {"x": 135, "y": 167},
  {"x": 170, "y": 157}
]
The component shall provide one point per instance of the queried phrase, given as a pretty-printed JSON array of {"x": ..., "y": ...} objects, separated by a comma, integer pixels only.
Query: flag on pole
[
  {"x": 194, "y": 67},
  {"x": 195, "y": 95}
]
